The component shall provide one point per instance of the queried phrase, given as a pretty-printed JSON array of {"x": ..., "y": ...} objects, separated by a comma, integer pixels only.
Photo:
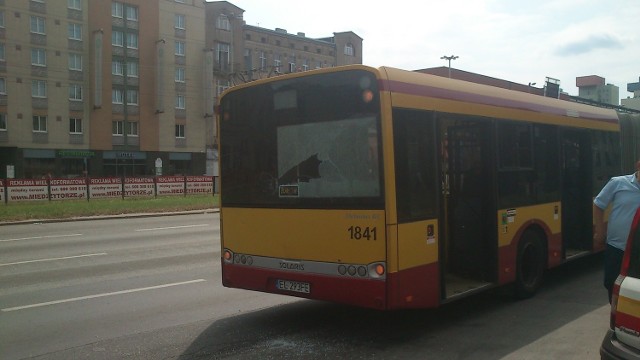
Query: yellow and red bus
[{"x": 390, "y": 189}]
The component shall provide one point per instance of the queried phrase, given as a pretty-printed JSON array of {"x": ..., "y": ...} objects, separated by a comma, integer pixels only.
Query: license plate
[{"x": 295, "y": 286}]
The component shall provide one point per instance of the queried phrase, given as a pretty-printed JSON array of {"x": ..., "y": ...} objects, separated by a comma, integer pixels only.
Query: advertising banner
[
  {"x": 68, "y": 189},
  {"x": 170, "y": 185},
  {"x": 27, "y": 190},
  {"x": 199, "y": 185},
  {"x": 105, "y": 188},
  {"x": 139, "y": 187}
]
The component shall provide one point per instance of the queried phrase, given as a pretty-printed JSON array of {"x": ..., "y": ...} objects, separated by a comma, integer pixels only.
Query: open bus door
[
  {"x": 577, "y": 222},
  {"x": 468, "y": 261}
]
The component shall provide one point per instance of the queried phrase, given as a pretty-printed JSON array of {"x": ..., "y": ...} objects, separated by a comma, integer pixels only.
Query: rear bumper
[
  {"x": 613, "y": 349},
  {"x": 370, "y": 293}
]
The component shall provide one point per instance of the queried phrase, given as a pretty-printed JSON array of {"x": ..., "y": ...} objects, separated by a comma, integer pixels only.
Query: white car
[{"x": 623, "y": 338}]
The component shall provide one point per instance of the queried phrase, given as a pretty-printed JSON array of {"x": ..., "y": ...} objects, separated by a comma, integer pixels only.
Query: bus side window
[{"x": 416, "y": 175}]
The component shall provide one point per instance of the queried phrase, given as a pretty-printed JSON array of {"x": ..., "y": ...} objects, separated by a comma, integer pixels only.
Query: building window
[
  {"x": 1, "y": 19},
  {"x": 132, "y": 97},
  {"x": 75, "y": 126},
  {"x": 181, "y": 102},
  {"x": 180, "y": 50},
  {"x": 75, "y": 62},
  {"x": 132, "y": 41},
  {"x": 132, "y": 129},
  {"x": 223, "y": 51},
  {"x": 180, "y": 77},
  {"x": 39, "y": 88},
  {"x": 132, "y": 69},
  {"x": 117, "y": 9},
  {"x": 39, "y": 123},
  {"x": 117, "y": 96},
  {"x": 75, "y": 92},
  {"x": 75, "y": 31},
  {"x": 38, "y": 57},
  {"x": 3, "y": 86},
  {"x": 117, "y": 38},
  {"x": 263, "y": 60},
  {"x": 277, "y": 62},
  {"x": 74, "y": 4},
  {"x": 180, "y": 131},
  {"x": 3, "y": 122},
  {"x": 117, "y": 128},
  {"x": 2, "y": 58},
  {"x": 348, "y": 50},
  {"x": 292, "y": 67},
  {"x": 117, "y": 68},
  {"x": 132, "y": 13},
  {"x": 179, "y": 21},
  {"x": 37, "y": 25},
  {"x": 223, "y": 23}
]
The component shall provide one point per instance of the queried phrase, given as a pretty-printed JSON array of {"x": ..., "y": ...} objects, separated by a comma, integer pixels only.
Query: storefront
[{"x": 125, "y": 163}]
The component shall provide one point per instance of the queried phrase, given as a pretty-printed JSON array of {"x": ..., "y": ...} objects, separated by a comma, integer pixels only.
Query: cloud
[{"x": 592, "y": 43}]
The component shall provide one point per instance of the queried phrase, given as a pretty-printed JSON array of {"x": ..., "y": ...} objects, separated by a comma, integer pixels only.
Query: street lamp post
[{"x": 449, "y": 58}]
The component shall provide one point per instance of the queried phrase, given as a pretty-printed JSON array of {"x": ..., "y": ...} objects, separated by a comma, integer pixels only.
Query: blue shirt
[{"x": 623, "y": 193}]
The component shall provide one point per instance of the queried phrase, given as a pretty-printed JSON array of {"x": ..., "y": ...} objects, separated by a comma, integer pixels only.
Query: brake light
[
  {"x": 614, "y": 301},
  {"x": 228, "y": 255}
]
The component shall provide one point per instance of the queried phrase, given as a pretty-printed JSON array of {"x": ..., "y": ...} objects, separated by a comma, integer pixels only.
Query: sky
[{"x": 520, "y": 41}]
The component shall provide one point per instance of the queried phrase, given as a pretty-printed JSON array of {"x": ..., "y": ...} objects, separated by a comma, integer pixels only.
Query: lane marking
[
  {"x": 173, "y": 227},
  {"x": 100, "y": 295},
  {"x": 40, "y": 237},
  {"x": 53, "y": 259}
]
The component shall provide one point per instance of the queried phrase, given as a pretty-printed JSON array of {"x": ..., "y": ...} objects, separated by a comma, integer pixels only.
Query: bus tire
[{"x": 531, "y": 264}]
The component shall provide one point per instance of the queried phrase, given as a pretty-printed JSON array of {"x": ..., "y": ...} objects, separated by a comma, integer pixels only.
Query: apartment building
[
  {"x": 85, "y": 93},
  {"x": 594, "y": 88}
]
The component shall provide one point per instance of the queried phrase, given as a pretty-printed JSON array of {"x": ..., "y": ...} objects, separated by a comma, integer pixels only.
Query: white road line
[
  {"x": 52, "y": 259},
  {"x": 173, "y": 227},
  {"x": 100, "y": 295},
  {"x": 40, "y": 237}
]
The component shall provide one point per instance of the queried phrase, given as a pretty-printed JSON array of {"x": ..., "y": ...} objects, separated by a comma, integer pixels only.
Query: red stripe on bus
[{"x": 417, "y": 287}]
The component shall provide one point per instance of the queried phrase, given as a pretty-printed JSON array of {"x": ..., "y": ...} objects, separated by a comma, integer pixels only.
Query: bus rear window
[{"x": 311, "y": 142}]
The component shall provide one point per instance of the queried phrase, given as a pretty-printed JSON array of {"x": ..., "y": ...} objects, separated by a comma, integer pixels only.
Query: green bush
[{"x": 41, "y": 210}]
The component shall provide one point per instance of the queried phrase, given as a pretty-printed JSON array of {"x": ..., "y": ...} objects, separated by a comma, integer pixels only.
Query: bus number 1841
[{"x": 362, "y": 233}]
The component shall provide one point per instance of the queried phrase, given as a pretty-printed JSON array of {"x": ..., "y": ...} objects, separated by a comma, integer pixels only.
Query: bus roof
[
  {"x": 427, "y": 85},
  {"x": 412, "y": 83}
]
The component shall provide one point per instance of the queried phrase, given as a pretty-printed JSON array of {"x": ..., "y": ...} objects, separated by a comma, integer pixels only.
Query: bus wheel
[{"x": 530, "y": 265}]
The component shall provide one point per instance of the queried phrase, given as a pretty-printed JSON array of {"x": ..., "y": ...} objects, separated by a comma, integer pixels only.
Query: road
[{"x": 149, "y": 288}]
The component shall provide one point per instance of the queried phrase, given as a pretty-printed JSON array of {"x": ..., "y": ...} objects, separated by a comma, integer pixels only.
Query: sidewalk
[{"x": 105, "y": 217}]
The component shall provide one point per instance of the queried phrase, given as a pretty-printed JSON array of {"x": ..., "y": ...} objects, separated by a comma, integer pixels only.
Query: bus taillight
[
  {"x": 377, "y": 270},
  {"x": 228, "y": 256}
]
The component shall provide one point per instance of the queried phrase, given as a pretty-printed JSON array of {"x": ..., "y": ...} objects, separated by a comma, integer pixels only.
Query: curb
[{"x": 108, "y": 217}]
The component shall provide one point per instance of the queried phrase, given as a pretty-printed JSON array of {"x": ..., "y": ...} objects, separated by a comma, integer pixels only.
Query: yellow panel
[
  {"x": 511, "y": 220},
  {"x": 628, "y": 306},
  {"x": 352, "y": 236},
  {"x": 415, "y": 246},
  {"x": 392, "y": 249}
]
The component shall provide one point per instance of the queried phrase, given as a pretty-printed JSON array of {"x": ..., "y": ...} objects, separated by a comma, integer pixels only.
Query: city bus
[{"x": 391, "y": 189}]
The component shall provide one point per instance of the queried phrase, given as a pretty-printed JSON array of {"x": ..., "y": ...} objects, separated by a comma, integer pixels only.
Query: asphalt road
[{"x": 149, "y": 288}]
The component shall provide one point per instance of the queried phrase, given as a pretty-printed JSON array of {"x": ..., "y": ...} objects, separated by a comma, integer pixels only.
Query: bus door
[
  {"x": 470, "y": 208},
  {"x": 577, "y": 220}
]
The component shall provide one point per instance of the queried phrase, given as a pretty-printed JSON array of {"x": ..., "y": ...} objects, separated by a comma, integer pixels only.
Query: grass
[{"x": 41, "y": 210}]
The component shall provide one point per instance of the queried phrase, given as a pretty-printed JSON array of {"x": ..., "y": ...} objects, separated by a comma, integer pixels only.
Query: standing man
[{"x": 623, "y": 194}]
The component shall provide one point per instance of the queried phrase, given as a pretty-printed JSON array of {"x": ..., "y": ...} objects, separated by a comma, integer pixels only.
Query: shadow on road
[{"x": 492, "y": 323}]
